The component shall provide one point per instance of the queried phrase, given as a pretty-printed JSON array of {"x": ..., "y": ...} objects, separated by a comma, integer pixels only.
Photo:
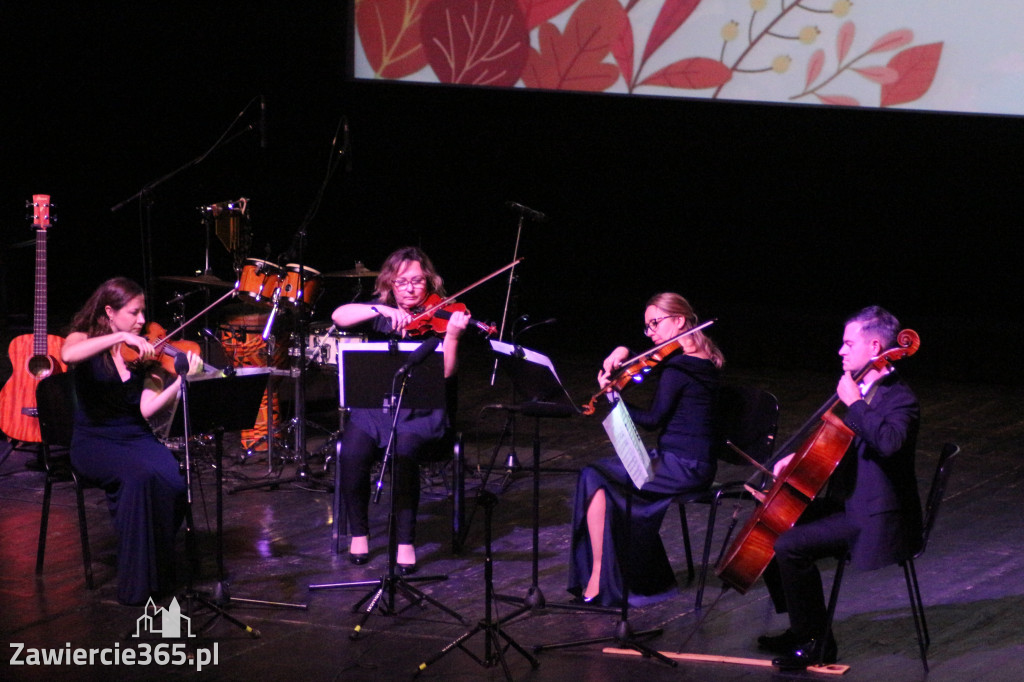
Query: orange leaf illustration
[
  {"x": 539, "y": 11},
  {"x": 916, "y": 67},
  {"x": 672, "y": 15},
  {"x": 574, "y": 60},
  {"x": 838, "y": 100},
  {"x": 691, "y": 74},
  {"x": 475, "y": 42},
  {"x": 389, "y": 32},
  {"x": 879, "y": 74}
]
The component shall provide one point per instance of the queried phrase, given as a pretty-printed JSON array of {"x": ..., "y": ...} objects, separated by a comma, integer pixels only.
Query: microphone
[
  {"x": 180, "y": 298},
  {"x": 419, "y": 355},
  {"x": 526, "y": 211},
  {"x": 273, "y": 313},
  {"x": 263, "y": 122},
  {"x": 181, "y": 364}
]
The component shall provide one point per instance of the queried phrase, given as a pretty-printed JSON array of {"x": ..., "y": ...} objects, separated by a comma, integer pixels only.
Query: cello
[{"x": 800, "y": 481}]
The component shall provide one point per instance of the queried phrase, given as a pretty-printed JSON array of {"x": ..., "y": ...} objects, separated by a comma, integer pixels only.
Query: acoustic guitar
[{"x": 34, "y": 356}]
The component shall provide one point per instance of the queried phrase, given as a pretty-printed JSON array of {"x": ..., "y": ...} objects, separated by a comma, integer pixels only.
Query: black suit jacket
[{"x": 878, "y": 470}]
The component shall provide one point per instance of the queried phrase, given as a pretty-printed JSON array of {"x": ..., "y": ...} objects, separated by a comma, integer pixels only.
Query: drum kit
[{"x": 262, "y": 289}]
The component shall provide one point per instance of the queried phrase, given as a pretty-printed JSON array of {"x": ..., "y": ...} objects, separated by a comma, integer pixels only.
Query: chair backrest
[
  {"x": 54, "y": 402},
  {"x": 938, "y": 489},
  {"x": 748, "y": 417}
]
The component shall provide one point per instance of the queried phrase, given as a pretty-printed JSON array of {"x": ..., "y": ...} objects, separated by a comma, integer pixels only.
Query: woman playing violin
[
  {"x": 406, "y": 280},
  {"x": 112, "y": 443},
  {"x": 681, "y": 411}
]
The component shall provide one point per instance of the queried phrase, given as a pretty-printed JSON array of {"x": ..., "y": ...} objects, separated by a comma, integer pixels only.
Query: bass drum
[{"x": 322, "y": 348}]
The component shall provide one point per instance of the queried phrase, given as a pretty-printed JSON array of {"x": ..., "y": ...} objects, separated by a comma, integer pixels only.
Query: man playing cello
[{"x": 872, "y": 510}]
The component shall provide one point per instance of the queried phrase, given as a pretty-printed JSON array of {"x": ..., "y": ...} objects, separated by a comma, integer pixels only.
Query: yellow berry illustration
[
  {"x": 730, "y": 31},
  {"x": 758, "y": 5},
  {"x": 808, "y": 34},
  {"x": 781, "y": 63},
  {"x": 841, "y": 8}
]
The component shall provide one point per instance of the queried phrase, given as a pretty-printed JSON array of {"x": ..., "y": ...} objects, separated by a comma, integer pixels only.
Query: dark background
[{"x": 777, "y": 220}]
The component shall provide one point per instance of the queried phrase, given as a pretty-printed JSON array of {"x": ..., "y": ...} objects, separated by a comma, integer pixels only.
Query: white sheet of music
[{"x": 623, "y": 434}]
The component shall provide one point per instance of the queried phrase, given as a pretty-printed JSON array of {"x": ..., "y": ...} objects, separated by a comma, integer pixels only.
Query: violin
[
  {"x": 165, "y": 349},
  {"x": 433, "y": 315},
  {"x": 635, "y": 368},
  {"x": 801, "y": 480}
]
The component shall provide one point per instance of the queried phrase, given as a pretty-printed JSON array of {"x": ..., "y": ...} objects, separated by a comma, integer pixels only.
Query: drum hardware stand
[
  {"x": 384, "y": 589},
  {"x": 494, "y": 647},
  {"x": 220, "y": 599},
  {"x": 145, "y": 195}
]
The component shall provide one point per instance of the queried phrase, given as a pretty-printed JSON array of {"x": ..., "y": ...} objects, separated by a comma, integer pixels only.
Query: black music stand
[
  {"x": 379, "y": 376},
  {"x": 536, "y": 382},
  {"x": 211, "y": 404}
]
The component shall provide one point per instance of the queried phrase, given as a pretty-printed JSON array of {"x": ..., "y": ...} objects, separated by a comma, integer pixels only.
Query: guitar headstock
[{"x": 40, "y": 206}]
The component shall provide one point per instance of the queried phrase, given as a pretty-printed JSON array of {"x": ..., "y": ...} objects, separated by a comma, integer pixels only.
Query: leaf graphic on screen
[
  {"x": 389, "y": 32},
  {"x": 691, "y": 74},
  {"x": 574, "y": 60},
  {"x": 844, "y": 40},
  {"x": 892, "y": 40},
  {"x": 916, "y": 67},
  {"x": 539, "y": 11},
  {"x": 814, "y": 66},
  {"x": 838, "y": 100},
  {"x": 622, "y": 49},
  {"x": 673, "y": 14},
  {"x": 879, "y": 74},
  {"x": 475, "y": 42}
]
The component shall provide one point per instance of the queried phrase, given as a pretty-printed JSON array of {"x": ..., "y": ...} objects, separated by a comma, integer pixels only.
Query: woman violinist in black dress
[
  {"x": 112, "y": 443},
  {"x": 683, "y": 461},
  {"x": 406, "y": 279}
]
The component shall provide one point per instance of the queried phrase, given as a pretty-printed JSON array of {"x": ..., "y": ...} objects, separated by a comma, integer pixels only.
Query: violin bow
[{"x": 437, "y": 306}]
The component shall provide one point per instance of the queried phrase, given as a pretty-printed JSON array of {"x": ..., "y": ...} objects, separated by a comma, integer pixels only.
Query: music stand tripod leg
[{"x": 491, "y": 628}]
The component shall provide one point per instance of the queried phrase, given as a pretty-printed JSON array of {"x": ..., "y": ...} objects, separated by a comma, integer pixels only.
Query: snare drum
[
  {"x": 259, "y": 279},
  {"x": 290, "y": 285},
  {"x": 322, "y": 349}
]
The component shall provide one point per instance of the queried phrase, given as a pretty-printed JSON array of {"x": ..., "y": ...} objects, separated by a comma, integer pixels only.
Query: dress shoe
[
  {"x": 779, "y": 644},
  {"x": 808, "y": 654},
  {"x": 358, "y": 559},
  {"x": 407, "y": 569}
]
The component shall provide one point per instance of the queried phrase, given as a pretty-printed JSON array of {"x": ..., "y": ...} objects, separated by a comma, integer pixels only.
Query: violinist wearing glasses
[
  {"x": 406, "y": 280},
  {"x": 681, "y": 412}
]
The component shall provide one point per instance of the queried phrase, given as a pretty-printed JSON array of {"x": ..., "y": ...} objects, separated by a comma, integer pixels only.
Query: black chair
[
  {"x": 54, "y": 405},
  {"x": 745, "y": 418},
  {"x": 931, "y": 509}
]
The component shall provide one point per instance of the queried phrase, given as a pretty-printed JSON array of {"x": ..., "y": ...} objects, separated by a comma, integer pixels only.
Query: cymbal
[
  {"x": 358, "y": 271},
  {"x": 201, "y": 280}
]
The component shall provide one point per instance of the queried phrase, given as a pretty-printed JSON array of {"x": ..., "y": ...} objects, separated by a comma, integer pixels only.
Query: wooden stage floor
[{"x": 277, "y": 542}]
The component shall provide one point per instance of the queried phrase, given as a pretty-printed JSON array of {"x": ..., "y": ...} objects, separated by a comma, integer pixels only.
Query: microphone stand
[{"x": 145, "y": 195}]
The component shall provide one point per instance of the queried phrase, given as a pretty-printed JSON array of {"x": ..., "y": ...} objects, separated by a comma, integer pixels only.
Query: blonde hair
[
  {"x": 674, "y": 304},
  {"x": 393, "y": 263}
]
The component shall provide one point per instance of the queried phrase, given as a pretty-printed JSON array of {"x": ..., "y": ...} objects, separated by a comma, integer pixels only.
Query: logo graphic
[{"x": 166, "y": 622}]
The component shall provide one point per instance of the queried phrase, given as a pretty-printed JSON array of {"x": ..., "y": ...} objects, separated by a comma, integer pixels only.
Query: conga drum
[{"x": 241, "y": 334}]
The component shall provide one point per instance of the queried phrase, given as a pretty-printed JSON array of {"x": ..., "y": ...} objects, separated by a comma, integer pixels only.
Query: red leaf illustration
[
  {"x": 390, "y": 36},
  {"x": 879, "y": 74},
  {"x": 691, "y": 74},
  {"x": 539, "y": 11},
  {"x": 814, "y": 66},
  {"x": 622, "y": 49},
  {"x": 838, "y": 100},
  {"x": 672, "y": 15},
  {"x": 475, "y": 42},
  {"x": 574, "y": 60},
  {"x": 916, "y": 67},
  {"x": 844, "y": 40},
  {"x": 891, "y": 41}
]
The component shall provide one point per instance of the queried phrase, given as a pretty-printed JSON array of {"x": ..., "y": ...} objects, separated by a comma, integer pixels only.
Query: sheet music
[
  {"x": 529, "y": 355},
  {"x": 623, "y": 434}
]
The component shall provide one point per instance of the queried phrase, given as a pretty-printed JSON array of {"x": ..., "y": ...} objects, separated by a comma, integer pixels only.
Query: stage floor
[{"x": 277, "y": 542}]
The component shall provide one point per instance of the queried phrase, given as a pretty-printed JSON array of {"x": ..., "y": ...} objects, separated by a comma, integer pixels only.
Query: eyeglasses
[
  {"x": 415, "y": 283},
  {"x": 653, "y": 324}
]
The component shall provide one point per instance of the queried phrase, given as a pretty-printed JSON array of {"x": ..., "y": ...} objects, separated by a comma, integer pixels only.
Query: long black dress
[
  {"x": 113, "y": 445},
  {"x": 683, "y": 462}
]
